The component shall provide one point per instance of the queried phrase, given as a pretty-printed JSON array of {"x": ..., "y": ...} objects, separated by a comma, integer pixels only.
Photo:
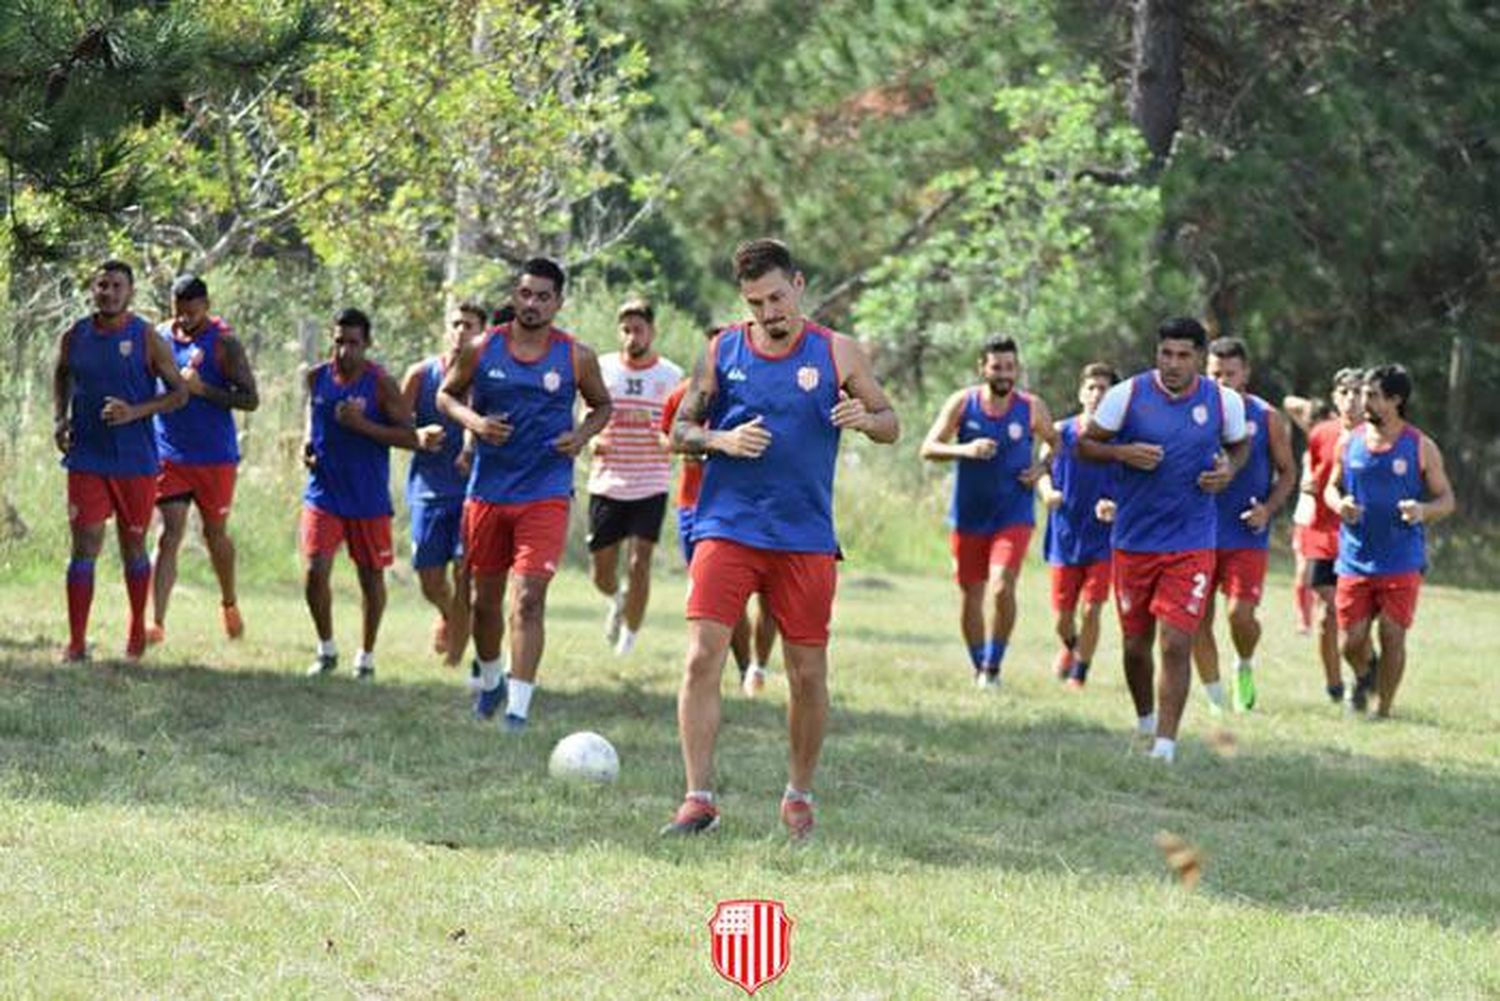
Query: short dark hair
[
  {"x": 503, "y": 315},
  {"x": 351, "y": 317},
  {"x": 546, "y": 267},
  {"x": 1229, "y": 347},
  {"x": 189, "y": 286},
  {"x": 999, "y": 344},
  {"x": 755, "y": 258},
  {"x": 1393, "y": 380},
  {"x": 1099, "y": 370},
  {"x": 638, "y": 306},
  {"x": 119, "y": 267},
  {"x": 473, "y": 309},
  {"x": 1183, "y": 328},
  {"x": 1348, "y": 376},
  {"x": 709, "y": 333}
]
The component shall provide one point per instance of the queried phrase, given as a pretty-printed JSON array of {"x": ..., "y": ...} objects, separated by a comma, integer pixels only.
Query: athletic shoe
[
  {"x": 487, "y": 703},
  {"x": 440, "y": 635},
  {"x": 234, "y": 626},
  {"x": 1244, "y": 690},
  {"x": 70, "y": 655},
  {"x": 987, "y": 680},
  {"x": 1214, "y": 709},
  {"x": 754, "y": 682},
  {"x": 1078, "y": 675},
  {"x": 693, "y": 817},
  {"x": 364, "y": 672},
  {"x": 1336, "y": 693},
  {"x": 513, "y": 723},
  {"x": 326, "y": 663},
  {"x": 1165, "y": 756},
  {"x": 625, "y": 643},
  {"x": 1359, "y": 699},
  {"x": 155, "y": 634},
  {"x": 1062, "y": 665},
  {"x": 797, "y": 815},
  {"x": 135, "y": 647},
  {"x": 614, "y": 618}
]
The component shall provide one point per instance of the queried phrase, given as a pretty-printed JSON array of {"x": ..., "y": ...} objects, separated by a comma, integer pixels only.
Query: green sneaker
[{"x": 1244, "y": 690}]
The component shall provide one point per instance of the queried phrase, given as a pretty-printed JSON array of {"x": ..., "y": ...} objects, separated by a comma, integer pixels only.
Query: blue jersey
[
  {"x": 1075, "y": 536},
  {"x": 105, "y": 363},
  {"x": 534, "y": 397},
  {"x": 201, "y": 433},
  {"x": 1380, "y": 542},
  {"x": 987, "y": 493},
  {"x": 782, "y": 500},
  {"x": 433, "y": 475},
  {"x": 1164, "y": 510},
  {"x": 1250, "y": 485},
  {"x": 351, "y": 478}
]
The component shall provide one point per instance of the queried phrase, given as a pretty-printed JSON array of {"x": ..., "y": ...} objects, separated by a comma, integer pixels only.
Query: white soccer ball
[{"x": 586, "y": 756}]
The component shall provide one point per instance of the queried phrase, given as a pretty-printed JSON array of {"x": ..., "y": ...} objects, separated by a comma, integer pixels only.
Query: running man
[
  {"x": 1383, "y": 470},
  {"x": 994, "y": 507},
  {"x": 104, "y": 394},
  {"x": 775, "y": 392},
  {"x": 435, "y": 485},
  {"x": 524, "y": 377},
  {"x": 1245, "y": 510},
  {"x": 1179, "y": 439},
  {"x": 630, "y": 472},
  {"x": 355, "y": 416},
  {"x": 199, "y": 448},
  {"x": 1079, "y": 497}
]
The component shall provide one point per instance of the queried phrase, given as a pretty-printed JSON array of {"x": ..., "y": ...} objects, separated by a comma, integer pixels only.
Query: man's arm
[
  {"x": 1051, "y": 497},
  {"x": 235, "y": 364},
  {"x": 117, "y": 412},
  {"x": 453, "y": 401},
  {"x": 595, "y": 395},
  {"x": 938, "y": 445},
  {"x": 1300, "y": 410},
  {"x": 62, "y": 395},
  {"x": 1343, "y": 504},
  {"x": 1096, "y": 442},
  {"x": 1042, "y": 429},
  {"x": 1440, "y": 503},
  {"x": 866, "y": 408},
  {"x": 309, "y": 454},
  {"x": 1284, "y": 468},
  {"x": 689, "y": 433}
]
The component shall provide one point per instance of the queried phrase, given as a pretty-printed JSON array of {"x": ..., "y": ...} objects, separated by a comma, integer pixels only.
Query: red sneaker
[
  {"x": 797, "y": 815},
  {"x": 693, "y": 817},
  {"x": 155, "y": 634},
  {"x": 1063, "y": 664},
  {"x": 234, "y": 626}
]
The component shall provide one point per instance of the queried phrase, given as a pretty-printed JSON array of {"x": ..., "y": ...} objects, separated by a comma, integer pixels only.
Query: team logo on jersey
[
  {"x": 495, "y": 373},
  {"x": 1200, "y": 415},
  {"x": 736, "y": 374},
  {"x": 807, "y": 378},
  {"x": 358, "y": 402},
  {"x": 126, "y": 347},
  {"x": 1252, "y": 428},
  {"x": 972, "y": 425},
  {"x": 551, "y": 381},
  {"x": 1014, "y": 431},
  {"x": 1398, "y": 466}
]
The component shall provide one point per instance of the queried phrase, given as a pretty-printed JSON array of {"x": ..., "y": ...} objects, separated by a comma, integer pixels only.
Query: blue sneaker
[
  {"x": 514, "y": 723},
  {"x": 487, "y": 703}
]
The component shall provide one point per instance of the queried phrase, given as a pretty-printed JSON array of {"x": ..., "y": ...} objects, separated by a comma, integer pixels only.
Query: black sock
[{"x": 1336, "y": 692}]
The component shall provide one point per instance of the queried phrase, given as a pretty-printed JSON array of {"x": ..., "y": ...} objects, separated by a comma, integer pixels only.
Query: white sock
[
  {"x": 366, "y": 658},
  {"x": 518, "y": 698},
  {"x": 1146, "y": 724},
  {"x": 489, "y": 674},
  {"x": 1215, "y": 692},
  {"x": 755, "y": 668},
  {"x": 701, "y": 795},
  {"x": 1246, "y": 664},
  {"x": 626, "y": 642},
  {"x": 617, "y": 600},
  {"x": 328, "y": 648},
  {"x": 797, "y": 795},
  {"x": 1164, "y": 748}
]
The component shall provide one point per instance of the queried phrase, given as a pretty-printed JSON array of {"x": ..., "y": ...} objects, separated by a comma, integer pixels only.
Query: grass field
[{"x": 211, "y": 824}]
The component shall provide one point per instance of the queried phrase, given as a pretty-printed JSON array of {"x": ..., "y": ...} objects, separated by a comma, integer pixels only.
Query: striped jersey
[{"x": 630, "y": 462}]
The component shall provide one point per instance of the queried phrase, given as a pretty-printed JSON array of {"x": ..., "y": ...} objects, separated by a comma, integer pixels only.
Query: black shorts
[
  {"x": 1320, "y": 574},
  {"x": 612, "y": 520}
]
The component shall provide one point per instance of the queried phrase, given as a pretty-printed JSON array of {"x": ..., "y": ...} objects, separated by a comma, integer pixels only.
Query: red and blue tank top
[
  {"x": 536, "y": 398},
  {"x": 351, "y": 478},
  {"x": 104, "y": 363},
  {"x": 200, "y": 433}
]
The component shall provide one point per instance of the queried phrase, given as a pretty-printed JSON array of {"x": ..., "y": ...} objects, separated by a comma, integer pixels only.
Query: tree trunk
[
  {"x": 464, "y": 246},
  {"x": 1156, "y": 74}
]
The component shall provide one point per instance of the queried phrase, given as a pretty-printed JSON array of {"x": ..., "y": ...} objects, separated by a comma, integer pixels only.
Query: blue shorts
[
  {"x": 685, "y": 532},
  {"x": 436, "y": 531}
]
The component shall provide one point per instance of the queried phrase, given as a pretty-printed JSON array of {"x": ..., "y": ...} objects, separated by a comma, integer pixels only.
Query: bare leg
[
  {"x": 489, "y": 615},
  {"x": 1328, "y": 637},
  {"x": 1392, "y": 663},
  {"x": 372, "y": 602},
  {"x": 1205, "y": 647},
  {"x": 528, "y": 636},
  {"x": 605, "y": 564},
  {"x": 1356, "y": 645},
  {"x": 168, "y": 544},
  {"x": 1244, "y": 627},
  {"x": 765, "y": 631},
  {"x": 1138, "y": 668},
  {"x": 638, "y": 591},
  {"x": 739, "y": 642},
  {"x": 1003, "y": 579},
  {"x": 458, "y": 615},
  {"x": 1174, "y": 679},
  {"x": 319, "y": 594},
  {"x": 1088, "y": 633},
  {"x": 806, "y": 711},
  {"x": 698, "y": 702},
  {"x": 971, "y": 616},
  {"x": 221, "y": 554}
]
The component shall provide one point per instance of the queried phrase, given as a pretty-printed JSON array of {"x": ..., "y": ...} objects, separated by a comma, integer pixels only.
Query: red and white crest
[
  {"x": 807, "y": 378},
  {"x": 1398, "y": 466},
  {"x": 1252, "y": 428},
  {"x": 127, "y": 346},
  {"x": 1200, "y": 414},
  {"x": 551, "y": 381},
  {"x": 1015, "y": 431},
  {"x": 751, "y": 941}
]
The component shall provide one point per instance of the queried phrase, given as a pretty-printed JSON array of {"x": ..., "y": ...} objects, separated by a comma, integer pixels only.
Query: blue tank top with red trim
[
  {"x": 1250, "y": 485},
  {"x": 105, "y": 363},
  {"x": 200, "y": 433},
  {"x": 1164, "y": 510},
  {"x": 432, "y": 475},
  {"x": 1075, "y": 536},
  {"x": 1380, "y": 542},
  {"x": 536, "y": 399},
  {"x": 782, "y": 500},
  {"x": 987, "y": 493},
  {"x": 352, "y": 475}
]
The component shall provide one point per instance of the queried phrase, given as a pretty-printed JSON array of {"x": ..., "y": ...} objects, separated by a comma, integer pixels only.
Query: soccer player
[
  {"x": 993, "y": 509},
  {"x": 630, "y": 472},
  {"x": 1382, "y": 471},
  {"x": 1321, "y": 539},
  {"x": 1245, "y": 509},
  {"x": 775, "y": 392},
  {"x": 199, "y": 449},
  {"x": 524, "y": 377},
  {"x": 355, "y": 415},
  {"x": 1079, "y": 497},
  {"x": 435, "y": 485},
  {"x": 104, "y": 394},
  {"x": 1179, "y": 439},
  {"x": 1304, "y": 414}
]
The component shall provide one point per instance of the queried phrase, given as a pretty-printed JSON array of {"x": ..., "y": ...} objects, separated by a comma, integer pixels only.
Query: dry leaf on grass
[{"x": 1183, "y": 858}]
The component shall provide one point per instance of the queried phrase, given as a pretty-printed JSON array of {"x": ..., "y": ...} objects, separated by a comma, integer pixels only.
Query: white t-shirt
[
  {"x": 1111, "y": 412},
  {"x": 631, "y": 463}
]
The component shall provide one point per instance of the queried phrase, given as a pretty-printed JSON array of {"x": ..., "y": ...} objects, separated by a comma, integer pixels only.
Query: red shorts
[
  {"x": 526, "y": 538},
  {"x": 92, "y": 499},
  {"x": 369, "y": 538},
  {"x": 798, "y": 587},
  {"x": 211, "y": 487},
  {"x": 1171, "y": 587},
  {"x": 974, "y": 556},
  {"x": 1091, "y": 580},
  {"x": 1241, "y": 573},
  {"x": 1393, "y": 595}
]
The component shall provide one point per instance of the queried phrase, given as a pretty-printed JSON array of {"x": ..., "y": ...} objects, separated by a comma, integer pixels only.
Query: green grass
[{"x": 211, "y": 824}]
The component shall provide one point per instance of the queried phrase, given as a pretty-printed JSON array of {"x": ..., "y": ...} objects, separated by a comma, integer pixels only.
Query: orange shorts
[
  {"x": 1241, "y": 573},
  {"x": 1171, "y": 587},
  {"x": 92, "y": 499},
  {"x": 1393, "y": 595},
  {"x": 798, "y": 587},
  {"x": 975, "y": 555},
  {"x": 1089, "y": 580},
  {"x": 369, "y": 538},
  {"x": 210, "y": 486},
  {"x": 526, "y": 539}
]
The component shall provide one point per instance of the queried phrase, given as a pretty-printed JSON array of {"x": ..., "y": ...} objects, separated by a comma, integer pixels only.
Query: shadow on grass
[{"x": 1290, "y": 830}]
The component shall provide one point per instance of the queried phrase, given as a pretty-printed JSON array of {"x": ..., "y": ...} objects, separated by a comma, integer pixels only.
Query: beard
[{"x": 1002, "y": 387}]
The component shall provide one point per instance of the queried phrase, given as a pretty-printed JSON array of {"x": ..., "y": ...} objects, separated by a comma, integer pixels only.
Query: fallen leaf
[
  {"x": 1182, "y": 857},
  {"x": 1223, "y": 742}
]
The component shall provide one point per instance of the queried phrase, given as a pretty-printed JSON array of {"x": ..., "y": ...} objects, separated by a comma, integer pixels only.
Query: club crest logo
[
  {"x": 1015, "y": 431},
  {"x": 807, "y": 378},
  {"x": 750, "y": 942},
  {"x": 551, "y": 382},
  {"x": 1252, "y": 428},
  {"x": 126, "y": 347},
  {"x": 1399, "y": 467},
  {"x": 1200, "y": 415}
]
